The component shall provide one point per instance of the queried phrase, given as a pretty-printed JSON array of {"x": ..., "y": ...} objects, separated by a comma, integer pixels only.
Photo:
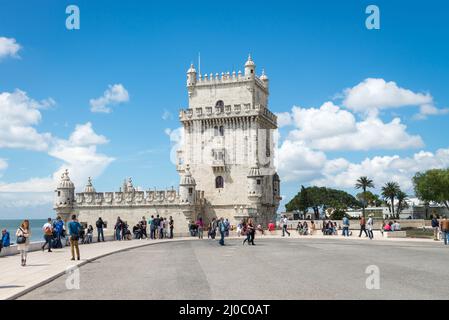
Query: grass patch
[{"x": 419, "y": 233}]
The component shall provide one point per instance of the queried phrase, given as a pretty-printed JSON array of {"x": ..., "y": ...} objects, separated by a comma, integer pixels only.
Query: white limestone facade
[{"x": 225, "y": 162}]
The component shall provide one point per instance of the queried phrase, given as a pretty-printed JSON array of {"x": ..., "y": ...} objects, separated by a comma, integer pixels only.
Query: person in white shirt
[
  {"x": 370, "y": 225},
  {"x": 48, "y": 234},
  {"x": 284, "y": 222}
]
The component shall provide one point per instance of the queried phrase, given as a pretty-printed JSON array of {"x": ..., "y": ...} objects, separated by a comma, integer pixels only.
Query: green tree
[
  {"x": 321, "y": 196},
  {"x": 371, "y": 198},
  {"x": 364, "y": 183},
  {"x": 389, "y": 192},
  {"x": 401, "y": 196},
  {"x": 433, "y": 186}
]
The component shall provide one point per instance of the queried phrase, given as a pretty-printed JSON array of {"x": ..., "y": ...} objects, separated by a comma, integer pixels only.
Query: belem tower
[{"x": 225, "y": 162}]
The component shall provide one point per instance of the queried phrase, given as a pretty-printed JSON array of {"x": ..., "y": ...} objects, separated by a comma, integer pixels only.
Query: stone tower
[
  {"x": 64, "y": 197},
  {"x": 228, "y": 143}
]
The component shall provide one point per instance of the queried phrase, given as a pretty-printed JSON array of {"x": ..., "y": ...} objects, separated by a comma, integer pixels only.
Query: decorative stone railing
[{"x": 228, "y": 111}]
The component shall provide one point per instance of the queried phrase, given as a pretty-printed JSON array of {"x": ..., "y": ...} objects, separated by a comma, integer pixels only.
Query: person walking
[
  {"x": 363, "y": 226},
  {"x": 200, "y": 225},
  {"x": 345, "y": 232},
  {"x": 118, "y": 229},
  {"x": 435, "y": 227},
  {"x": 222, "y": 229},
  {"x": 370, "y": 224},
  {"x": 227, "y": 227},
  {"x": 444, "y": 225},
  {"x": 100, "y": 225},
  {"x": 171, "y": 224},
  {"x": 23, "y": 235},
  {"x": 58, "y": 228},
  {"x": 212, "y": 229},
  {"x": 284, "y": 222},
  {"x": 143, "y": 226},
  {"x": 74, "y": 232},
  {"x": 252, "y": 231},
  {"x": 48, "y": 234}
]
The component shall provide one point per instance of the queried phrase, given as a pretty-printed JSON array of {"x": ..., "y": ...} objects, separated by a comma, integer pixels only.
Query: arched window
[
  {"x": 219, "y": 104},
  {"x": 216, "y": 132},
  {"x": 219, "y": 182},
  {"x": 221, "y": 129}
]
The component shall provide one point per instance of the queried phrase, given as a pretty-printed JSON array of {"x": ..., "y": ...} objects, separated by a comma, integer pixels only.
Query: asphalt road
[{"x": 273, "y": 269}]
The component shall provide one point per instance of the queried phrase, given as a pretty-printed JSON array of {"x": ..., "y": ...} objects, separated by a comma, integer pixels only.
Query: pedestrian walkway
[{"x": 43, "y": 267}]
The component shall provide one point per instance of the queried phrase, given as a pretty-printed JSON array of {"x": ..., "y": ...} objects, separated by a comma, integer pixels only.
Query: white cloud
[
  {"x": 18, "y": 116},
  {"x": 84, "y": 135},
  {"x": 373, "y": 95},
  {"x": 284, "y": 119},
  {"x": 327, "y": 121},
  {"x": 295, "y": 161},
  {"x": 176, "y": 140},
  {"x": 332, "y": 128},
  {"x": 9, "y": 48},
  {"x": 78, "y": 154},
  {"x": 114, "y": 95},
  {"x": 382, "y": 169}
]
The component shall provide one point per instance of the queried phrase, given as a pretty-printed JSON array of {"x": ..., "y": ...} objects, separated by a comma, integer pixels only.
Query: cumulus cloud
[
  {"x": 84, "y": 135},
  {"x": 332, "y": 128},
  {"x": 177, "y": 140},
  {"x": 295, "y": 161},
  {"x": 377, "y": 94},
  {"x": 9, "y": 48},
  {"x": 382, "y": 169},
  {"x": 115, "y": 94},
  {"x": 78, "y": 154},
  {"x": 19, "y": 115},
  {"x": 284, "y": 119}
]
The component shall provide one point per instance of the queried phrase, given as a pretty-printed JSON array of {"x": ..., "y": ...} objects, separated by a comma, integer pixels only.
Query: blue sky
[{"x": 311, "y": 51}]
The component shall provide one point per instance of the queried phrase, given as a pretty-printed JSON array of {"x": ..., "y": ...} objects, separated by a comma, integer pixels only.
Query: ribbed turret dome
[
  {"x": 191, "y": 69},
  {"x": 89, "y": 187},
  {"x": 187, "y": 179},
  {"x": 65, "y": 182},
  {"x": 249, "y": 62},
  {"x": 254, "y": 171},
  {"x": 129, "y": 186},
  {"x": 263, "y": 77}
]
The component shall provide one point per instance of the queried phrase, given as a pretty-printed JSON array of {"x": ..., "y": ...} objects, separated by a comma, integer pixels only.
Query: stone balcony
[{"x": 228, "y": 111}]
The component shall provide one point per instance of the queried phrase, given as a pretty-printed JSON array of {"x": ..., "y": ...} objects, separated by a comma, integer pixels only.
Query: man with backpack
[
  {"x": 345, "y": 227},
  {"x": 58, "y": 227}
]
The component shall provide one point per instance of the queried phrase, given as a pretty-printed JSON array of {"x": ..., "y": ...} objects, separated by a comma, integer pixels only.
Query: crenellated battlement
[
  {"x": 226, "y": 77},
  {"x": 133, "y": 198}
]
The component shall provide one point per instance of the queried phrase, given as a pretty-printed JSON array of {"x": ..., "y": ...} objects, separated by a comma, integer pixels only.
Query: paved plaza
[{"x": 276, "y": 268}]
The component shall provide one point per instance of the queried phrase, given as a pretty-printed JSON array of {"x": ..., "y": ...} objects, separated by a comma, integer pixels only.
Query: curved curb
[{"x": 84, "y": 262}]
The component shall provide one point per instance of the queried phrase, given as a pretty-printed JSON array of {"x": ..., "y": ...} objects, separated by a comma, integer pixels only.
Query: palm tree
[
  {"x": 401, "y": 196},
  {"x": 364, "y": 183},
  {"x": 390, "y": 191}
]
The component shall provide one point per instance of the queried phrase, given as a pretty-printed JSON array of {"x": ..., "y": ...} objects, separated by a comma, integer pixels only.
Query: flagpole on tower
[{"x": 199, "y": 63}]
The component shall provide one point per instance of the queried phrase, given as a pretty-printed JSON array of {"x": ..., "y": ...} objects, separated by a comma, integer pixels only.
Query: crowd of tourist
[{"x": 56, "y": 235}]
